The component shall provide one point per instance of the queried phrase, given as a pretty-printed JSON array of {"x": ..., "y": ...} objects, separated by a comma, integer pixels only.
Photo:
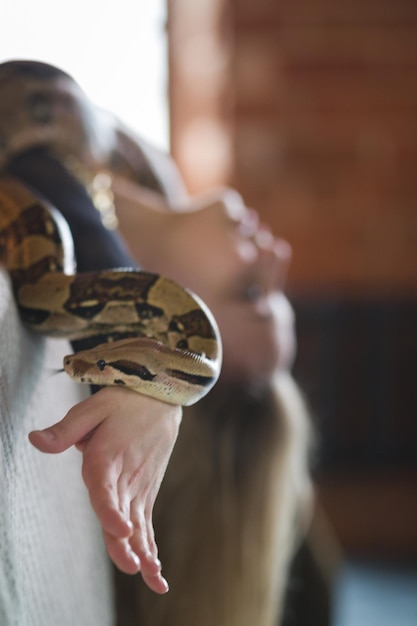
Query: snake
[
  {"x": 160, "y": 339},
  {"x": 147, "y": 332}
]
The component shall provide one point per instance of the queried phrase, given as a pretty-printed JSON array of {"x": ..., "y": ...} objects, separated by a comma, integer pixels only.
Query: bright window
[{"x": 115, "y": 50}]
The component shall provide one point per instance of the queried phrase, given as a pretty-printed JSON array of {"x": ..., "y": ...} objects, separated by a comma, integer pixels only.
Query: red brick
[{"x": 318, "y": 102}]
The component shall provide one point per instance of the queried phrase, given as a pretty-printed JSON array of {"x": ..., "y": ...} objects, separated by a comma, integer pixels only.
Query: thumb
[{"x": 73, "y": 429}]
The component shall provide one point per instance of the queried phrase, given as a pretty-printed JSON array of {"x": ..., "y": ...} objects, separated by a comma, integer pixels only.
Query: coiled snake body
[{"x": 158, "y": 338}]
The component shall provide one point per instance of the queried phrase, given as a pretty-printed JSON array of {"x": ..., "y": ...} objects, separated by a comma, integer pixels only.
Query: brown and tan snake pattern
[{"x": 157, "y": 337}]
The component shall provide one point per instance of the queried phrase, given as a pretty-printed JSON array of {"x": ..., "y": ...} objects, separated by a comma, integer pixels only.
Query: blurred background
[
  {"x": 309, "y": 109},
  {"x": 117, "y": 52}
]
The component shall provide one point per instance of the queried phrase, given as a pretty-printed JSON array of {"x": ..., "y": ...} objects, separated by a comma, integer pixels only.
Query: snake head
[{"x": 146, "y": 366}]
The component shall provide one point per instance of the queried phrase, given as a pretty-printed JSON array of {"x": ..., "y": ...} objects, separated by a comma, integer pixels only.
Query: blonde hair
[{"x": 231, "y": 509}]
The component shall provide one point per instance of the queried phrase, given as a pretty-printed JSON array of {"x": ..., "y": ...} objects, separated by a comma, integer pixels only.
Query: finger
[
  {"x": 274, "y": 258},
  {"x": 157, "y": 583},
  {"x": 144, "y": 545},
  {"x": 151, "y": 569},
  {"x": 139, "y": 539},
  {"x": 77, "y": 424},
  {"x": 283, "y": 253},
  {"x": 125, "y": 558},
  {"x": 101, "y": 479},
  {"x": 121, "y": 553}
]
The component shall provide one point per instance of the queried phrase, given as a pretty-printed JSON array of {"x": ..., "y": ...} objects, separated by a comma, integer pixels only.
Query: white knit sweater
[{"x": 53, "y": 566}]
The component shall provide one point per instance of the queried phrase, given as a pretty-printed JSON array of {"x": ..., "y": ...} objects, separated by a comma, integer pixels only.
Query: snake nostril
[{"x": 101, "y": 364}]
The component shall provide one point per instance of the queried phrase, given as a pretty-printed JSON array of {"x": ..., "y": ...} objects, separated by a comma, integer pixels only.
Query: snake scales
[{"x": 155, "y": 336}]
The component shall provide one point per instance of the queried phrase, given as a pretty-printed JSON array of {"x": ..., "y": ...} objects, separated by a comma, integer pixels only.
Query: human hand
[
  {"x": 219, "y": 248},
  {"x": 126, "y": 440}
]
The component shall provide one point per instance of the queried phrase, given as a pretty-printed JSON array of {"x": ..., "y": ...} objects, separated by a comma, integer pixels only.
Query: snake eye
[{"x": 101, "y": 364}]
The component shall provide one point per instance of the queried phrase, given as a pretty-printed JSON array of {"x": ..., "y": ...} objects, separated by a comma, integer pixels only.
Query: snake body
[{"x": 155, "y": 336}]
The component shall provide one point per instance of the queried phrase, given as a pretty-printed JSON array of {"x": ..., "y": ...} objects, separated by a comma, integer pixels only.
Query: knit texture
[{"x": 53, "y": 564}]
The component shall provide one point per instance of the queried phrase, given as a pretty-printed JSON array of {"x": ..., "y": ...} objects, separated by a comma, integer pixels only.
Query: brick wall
[{"x": 310, "y": 109}]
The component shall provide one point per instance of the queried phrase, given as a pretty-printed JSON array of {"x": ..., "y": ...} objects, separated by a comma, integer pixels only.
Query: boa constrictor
[{"x": 158, "y": 338}]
